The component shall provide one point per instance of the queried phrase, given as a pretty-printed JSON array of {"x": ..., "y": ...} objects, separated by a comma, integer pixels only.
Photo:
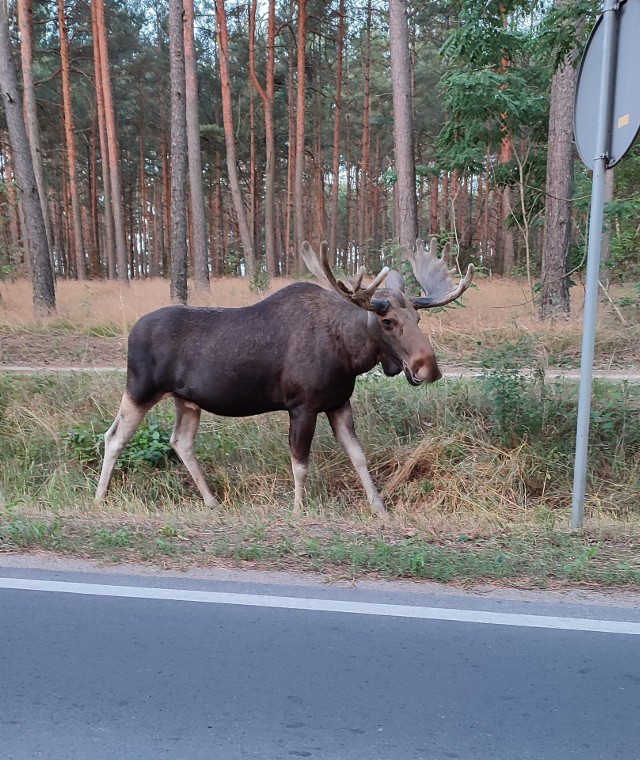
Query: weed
[
  {"x": 25, "y": 533},
  {"x": 120, "y": 538}
]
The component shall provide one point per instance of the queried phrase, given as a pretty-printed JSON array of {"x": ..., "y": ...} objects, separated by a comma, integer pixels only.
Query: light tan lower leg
[
  {"x": 183, "y": 441},
  {"x": 126, "y": 423},
  {"x": 344, "y": 431},
  {"x": 300, "y": 472}
]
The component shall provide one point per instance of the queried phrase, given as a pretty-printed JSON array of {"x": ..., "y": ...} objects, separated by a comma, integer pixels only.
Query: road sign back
[{"x": 626, "y": 96}]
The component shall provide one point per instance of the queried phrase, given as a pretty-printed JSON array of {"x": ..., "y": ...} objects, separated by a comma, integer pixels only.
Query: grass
[{"x": 477, "y": 474}]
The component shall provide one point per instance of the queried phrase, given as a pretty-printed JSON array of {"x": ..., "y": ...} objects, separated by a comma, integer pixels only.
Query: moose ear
[{"x": 380, "y": 306}]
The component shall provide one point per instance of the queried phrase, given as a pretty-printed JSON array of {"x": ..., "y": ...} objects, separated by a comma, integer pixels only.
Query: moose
[{"x": 299, "y": 350}]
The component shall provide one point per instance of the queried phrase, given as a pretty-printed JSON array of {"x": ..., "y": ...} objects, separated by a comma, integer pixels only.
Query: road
[{"x": 99, "y": 665}]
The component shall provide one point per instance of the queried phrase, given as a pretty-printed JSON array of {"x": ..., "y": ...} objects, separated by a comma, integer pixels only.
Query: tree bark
[
  {"x": 605, "y": 250},
  {"x": 298, "y": 192},
  {"x": 403, "y": 141},
  {"x": 199, "y": 242},
  {"x": 72, "y": 167},
  {"x": 267, "y": 96},
  {"x": 25, "y": 22},
  {"x": 44, "y": 299},
  {"x": 335, "y": 186},
  {"x": 366, "y": 141},
  {"x": 109, "y": 236},
  {"x": 230, "y": 142},
  {"x": 178, "y": 154},
  {"x": 291, "y": 152},
  {"x": 433, "y": 204},
  {"x": 101, "y": 49},
  {"x": 554, "y": 294},
  {"x": 504, "y": 242}
]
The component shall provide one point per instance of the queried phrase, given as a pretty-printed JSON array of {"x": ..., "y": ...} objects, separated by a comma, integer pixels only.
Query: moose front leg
[
  {"x": 344, "y": 430},
  {"x": 302, "y": 426}
]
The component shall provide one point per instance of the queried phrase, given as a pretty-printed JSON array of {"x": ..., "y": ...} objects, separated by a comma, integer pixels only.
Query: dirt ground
[
  {"x": 93, "y": 320},
  {"x": 55, "y": 349}
]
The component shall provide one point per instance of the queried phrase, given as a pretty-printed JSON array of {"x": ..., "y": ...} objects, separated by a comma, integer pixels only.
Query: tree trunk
[
  {"x": 605, "y": 250},
  {"x": 109, "y": 236},
  {"x": 230, "y": 141},
  {"x": 67, "y": 110},
  {"x": 145, "y": 226},
  {"x": 291, "y": 152},
  {"x": 407, "y": 228},
  {"x": 298, "y": 193},
  {"x": 267, "y": 98},
  {"x": 44, "y": 299},
  {"x": 25, "y": 22},
  {"x": 335, "y": 187},
  {"x": 505, "y": 233},
  {"x": 102, "y": 51},
  {"x": 178, "y": 154},
  {"x": 199, "y": 241},
  {"x": 554, "y": 294},
  {"x": 253, "y": 174},
  {"x": 366, "y": 140},
  {"x": 433, "y": 205},
  {"x": 94, "y": 227}
]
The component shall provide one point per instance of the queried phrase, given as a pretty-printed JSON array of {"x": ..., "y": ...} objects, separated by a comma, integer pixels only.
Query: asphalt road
[{"x": 229, "y": 670}]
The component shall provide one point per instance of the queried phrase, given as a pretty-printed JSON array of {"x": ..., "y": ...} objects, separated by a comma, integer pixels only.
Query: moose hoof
[{"x": 378, "y": 508}]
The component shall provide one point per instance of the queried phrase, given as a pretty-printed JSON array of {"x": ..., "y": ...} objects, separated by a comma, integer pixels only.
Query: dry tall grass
[
  {"x": 496, "y": 311},
  {"x": 99, "y": 302}
]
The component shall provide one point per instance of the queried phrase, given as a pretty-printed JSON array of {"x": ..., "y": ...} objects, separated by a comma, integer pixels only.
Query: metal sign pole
[{"x": 605, "y": 115}]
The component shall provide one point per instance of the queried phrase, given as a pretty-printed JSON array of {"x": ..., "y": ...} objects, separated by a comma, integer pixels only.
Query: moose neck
[{"x": 357, "y": 331}]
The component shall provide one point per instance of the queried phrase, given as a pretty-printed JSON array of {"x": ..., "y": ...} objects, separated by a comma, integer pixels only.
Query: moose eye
[{"x": 387, "y": 323}]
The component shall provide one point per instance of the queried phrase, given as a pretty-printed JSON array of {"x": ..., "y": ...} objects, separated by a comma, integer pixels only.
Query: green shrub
[{"x": 149, "y": 447}]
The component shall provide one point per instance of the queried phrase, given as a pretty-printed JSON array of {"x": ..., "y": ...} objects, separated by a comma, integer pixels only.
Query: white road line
[{"x": 327, "y": 605}]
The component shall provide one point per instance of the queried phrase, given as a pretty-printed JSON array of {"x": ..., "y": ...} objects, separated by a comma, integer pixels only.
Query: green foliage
[
  {"x": 631, "y": 301},
  {"x": 149, "y": 447},
  {"x": 512, "y": 414},
  {"x": 493, "y": 84},
  {"x": 7, "y": 271},
  {"x": 260, "y": 281},
  {"x": 521, "y": 408},
  {"x": 565, "y": 26},
  {"x": 27, "y": 533}
]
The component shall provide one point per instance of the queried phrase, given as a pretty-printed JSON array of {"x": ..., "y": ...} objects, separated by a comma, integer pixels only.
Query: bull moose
[{"x": 300, "y": 350}]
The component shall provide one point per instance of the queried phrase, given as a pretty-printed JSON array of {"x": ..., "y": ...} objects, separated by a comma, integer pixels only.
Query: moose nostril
[{"x": 428, "y": 370}]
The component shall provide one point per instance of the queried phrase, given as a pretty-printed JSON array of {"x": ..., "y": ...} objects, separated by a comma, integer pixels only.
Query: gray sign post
[{"x": 608, "y": 83}]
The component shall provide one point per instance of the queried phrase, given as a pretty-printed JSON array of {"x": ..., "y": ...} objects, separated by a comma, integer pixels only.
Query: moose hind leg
[
  {"x": 183, "y": 441},
  {"x": 126, "y": 423},
  {"x": 344, "y": 430},
  {"x": 302, "y": 427}
]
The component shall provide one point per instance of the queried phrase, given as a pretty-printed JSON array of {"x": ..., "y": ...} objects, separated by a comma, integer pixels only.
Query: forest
[{"x": 197, "y": 140}]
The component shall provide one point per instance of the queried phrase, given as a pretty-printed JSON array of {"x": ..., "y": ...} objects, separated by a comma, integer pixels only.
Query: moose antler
[
  {"x": 434, "y": 276},
  {"x": 351, "y": 290}
]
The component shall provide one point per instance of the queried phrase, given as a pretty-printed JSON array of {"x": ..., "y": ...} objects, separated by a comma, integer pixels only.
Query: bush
[{"x": 149, "y": 447}]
